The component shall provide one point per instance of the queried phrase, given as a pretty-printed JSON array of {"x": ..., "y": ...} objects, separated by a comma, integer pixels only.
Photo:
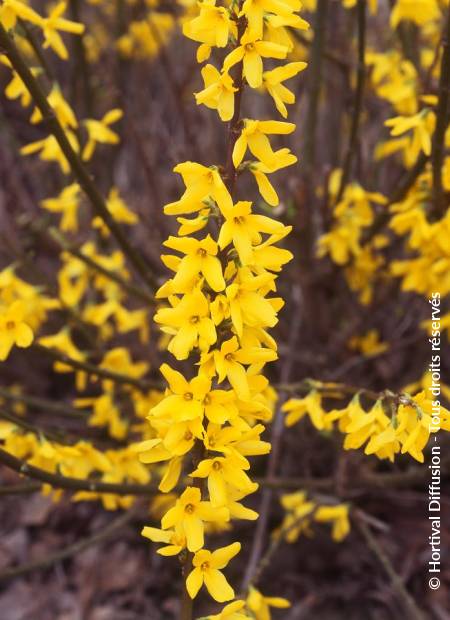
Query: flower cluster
[
  {"x": 394, "y": 424},
  {"x": 219, "y": 300},
  {"x": 301, "y": 512}
]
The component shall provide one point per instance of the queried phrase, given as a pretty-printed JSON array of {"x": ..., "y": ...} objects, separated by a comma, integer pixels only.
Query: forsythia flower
[
  {"x": 67, "y": 203},
  {"x": 53, "y": 23},
  {"x": 188, "y": 516},
  {"x": 13, "y": 329},
  {"x": 251, "y": 51},
  {"x": 218, "y": 93},
  {"x": 272, "y": 81},
  {"x": 11, "y": 10},
  {"x": 99, "y": 132},
  {"x": 254, "y": 137},
  {"x": 259, "y": 605},
  {"x": 206, "y": 571}
]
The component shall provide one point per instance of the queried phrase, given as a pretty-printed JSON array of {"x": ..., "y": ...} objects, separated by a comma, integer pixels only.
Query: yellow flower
[
  {"x": 256, "y": 10},
  {"x": 254, "y": 137},
  {"x": 212, "y": 26},
  {"x": 259, "y": 605},
  {"x": 232, "y": 611},
  {"x": 51, "y": 151},
  {"x": 229, "y": 359},
  {"x": 218, "y": 93},
  {"x": 175, "y": 542},
  {"x": 53, "y": 23},
  {"x": 66, "y": 203},
  {"x": 99, "y": 132},
  {"x": 187, "y": 396},
  {"x": 269, "y": 257},
  {"x": 16, "y": 88},
  {"x": 11, "y": 10},
  {"x": 369, "y": 344},
  {"x": 181, "y": 435},
  {"x": 200, "y": 259},
  {"x": 422, "y": 125},
  {"x": 118, "y": 209},
  {"x": 13, "y": 329},
  {"x": 62, "y": 109},
  {"x": 272, "y": 81},
  {"x": 201, "y": 183},
  {"x": 188, "y": 517},
  {"x": 283, "y": 158},
  {"x": 190, "y": 324},
  {"x": 243, "y": 228},
  {"x": 251, "y": 51},
  {"x": 297, "y": 408},
  {"x": 207, "y": 570},
  {"x": 420, "y": 12},
  {"x": 338, "y": 516},
  {"x": 248, "y": 307},
  {"x": 221, "y": 472}
]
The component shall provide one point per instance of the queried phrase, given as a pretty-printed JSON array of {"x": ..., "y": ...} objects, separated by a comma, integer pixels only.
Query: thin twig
[
  {"x": 52, "y": 558},
  {"x": 315, "y": 82},
  {"x": 37, "y": 49},
  {"x": 275, "y": 440},
  {"x": 358, "y": 100},
  {"x": 49, "y": 406},
  {"x": 129, "y": 287},
  {"x": 32, "y": 428},
  {"x": 402, "y": 187},
  {"x": 233, "y": 126},
  {"x": 366, "y": 479},
  {"x": 328, "y": 54},
  {"x": 411, "y": 607},
  {"x": 20, "y": 489},
  {"x": 79, "y": 170},
  {"x": 275, "y": 543},
  {"x": 142, "y": 384},
  {"x": 58, "y": 481},
  {"x": 82, "y": 67}
]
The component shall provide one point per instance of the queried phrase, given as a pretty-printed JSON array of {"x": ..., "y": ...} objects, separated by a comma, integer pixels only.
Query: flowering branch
[{"x": 79, "y": 170}]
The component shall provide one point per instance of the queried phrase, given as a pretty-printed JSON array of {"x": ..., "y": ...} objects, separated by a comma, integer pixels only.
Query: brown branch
[
  {"x": 129, "y": 287},
  {"x": 92, "y": 369},
  {"x": 169, "y": 74},
  {"x": 32, "y": 428},
  {"x": 315, "y": 82},
  {"x": 358, "y": 100},
  {"x": 327, "y": 54},
  {"x": 308, "y": 385},
  {"x": 82, "y": 68},
  {"x": 402, "y": 187},
  {"x": 58, "y": 481},
  {"x": 372, "y": 480},
  {"x": 437, "y": 153},
  {"x": 411, "y": 608},
  {"x": 275, "y": 543},
  {"x": 275, "y": 440},
  {"x": 233, "y": 126},
  {"x": 37, "y": 49},
  {"x": 8, "y": 47},
  {"x": 19, "y": 489},
  {"x": 52, "y": 558},
  {"x": 49, "y": 406}
]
